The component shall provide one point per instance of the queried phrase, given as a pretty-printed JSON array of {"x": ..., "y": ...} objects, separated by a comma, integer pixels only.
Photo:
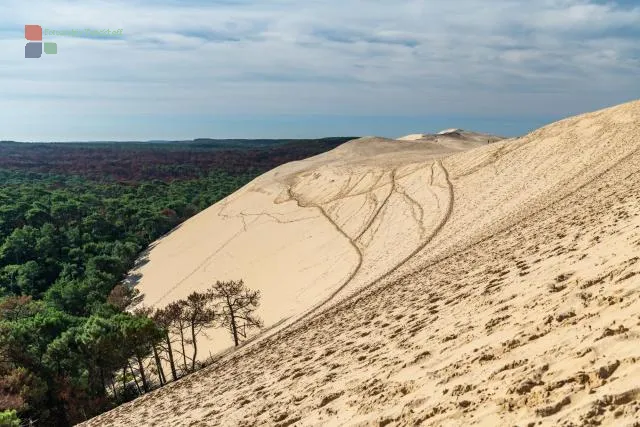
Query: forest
[
  {"x": 139, "y": 161},
  {"x": 73, "y": 219}
]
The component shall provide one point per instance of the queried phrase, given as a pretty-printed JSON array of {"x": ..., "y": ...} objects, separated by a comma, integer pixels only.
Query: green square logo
[{"x": 50, "y": 48}]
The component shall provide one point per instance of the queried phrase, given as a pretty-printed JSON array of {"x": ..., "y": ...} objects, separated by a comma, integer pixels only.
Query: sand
[
  {"x": 309, "y": 230},
  {"x": 494, "y": 285}
]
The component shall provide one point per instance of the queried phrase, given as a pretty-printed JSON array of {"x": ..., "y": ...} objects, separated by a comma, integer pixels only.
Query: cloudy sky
[{"x": 307, "y": 68}]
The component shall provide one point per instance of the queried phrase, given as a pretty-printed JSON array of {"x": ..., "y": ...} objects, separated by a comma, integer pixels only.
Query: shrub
[{"x": 9, "y": 418}]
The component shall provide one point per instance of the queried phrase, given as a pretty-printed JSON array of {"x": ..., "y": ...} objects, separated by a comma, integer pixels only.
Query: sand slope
[
  {"x": 309, "y": 231},
  {"x": 518, "y": 304}
]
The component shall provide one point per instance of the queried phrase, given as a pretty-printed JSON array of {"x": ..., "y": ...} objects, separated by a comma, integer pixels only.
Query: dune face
[
  {"x": 308, "y": 231},
  {"x": 489, "y": 286}
]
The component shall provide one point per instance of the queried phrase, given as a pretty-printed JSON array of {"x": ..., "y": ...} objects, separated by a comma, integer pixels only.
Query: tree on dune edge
[
  {"x": 73, "y": 222},
  {"x": 199, "y": 315},
  {"x": 237, "y": 305},
  {"x": 122, "y": 351}
]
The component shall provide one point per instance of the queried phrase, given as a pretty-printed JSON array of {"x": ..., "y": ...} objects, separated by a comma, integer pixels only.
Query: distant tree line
[
  {"x": 135, "y": 162},
  {"x": 69, "y": 347}
]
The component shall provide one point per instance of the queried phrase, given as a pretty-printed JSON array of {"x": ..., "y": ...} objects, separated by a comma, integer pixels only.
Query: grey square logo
[{"x": 33, "y": 50}]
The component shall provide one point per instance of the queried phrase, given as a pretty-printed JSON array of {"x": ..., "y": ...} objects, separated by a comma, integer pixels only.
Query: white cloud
[{"x": 485, "y": 57}]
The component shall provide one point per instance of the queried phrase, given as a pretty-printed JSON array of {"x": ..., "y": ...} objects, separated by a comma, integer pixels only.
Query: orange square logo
[{"x": 33, "y": 32}]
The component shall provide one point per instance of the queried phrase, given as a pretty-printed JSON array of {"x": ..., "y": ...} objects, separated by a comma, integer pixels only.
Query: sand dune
[
  {"x": 496, "y": 285},
  {"x": 456, "y": 139},
  {"x": 310, "y": 230}
]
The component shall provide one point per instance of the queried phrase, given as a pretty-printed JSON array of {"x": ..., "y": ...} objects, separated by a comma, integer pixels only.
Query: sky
[{"x": 184, "y": 69}]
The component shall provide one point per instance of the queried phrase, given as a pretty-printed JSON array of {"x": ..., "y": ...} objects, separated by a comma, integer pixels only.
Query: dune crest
[{"x": 497, "y": 285}]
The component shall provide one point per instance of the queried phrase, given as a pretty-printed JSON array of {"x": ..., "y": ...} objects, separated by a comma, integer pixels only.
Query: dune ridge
[
  {"x": 516, "y": 303},
  {"x": 363, "y": 209}
]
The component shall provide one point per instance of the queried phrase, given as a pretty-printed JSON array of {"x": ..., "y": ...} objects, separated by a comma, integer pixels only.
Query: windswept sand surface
[
  {"x": 515, "y": 300},
  {"x": 310, "y": 231}
]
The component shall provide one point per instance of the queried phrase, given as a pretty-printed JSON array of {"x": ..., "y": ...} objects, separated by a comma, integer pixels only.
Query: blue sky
[{"x": 311, "y": 68}]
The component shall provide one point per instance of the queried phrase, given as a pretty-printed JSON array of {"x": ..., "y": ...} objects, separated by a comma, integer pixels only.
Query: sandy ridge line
[{"x": 292, "y": 197}]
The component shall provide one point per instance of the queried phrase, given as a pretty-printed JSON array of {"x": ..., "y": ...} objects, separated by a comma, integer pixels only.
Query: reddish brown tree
[
  {"x": 123, "y": 297},
  {"x": 16, "y": 307}
]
